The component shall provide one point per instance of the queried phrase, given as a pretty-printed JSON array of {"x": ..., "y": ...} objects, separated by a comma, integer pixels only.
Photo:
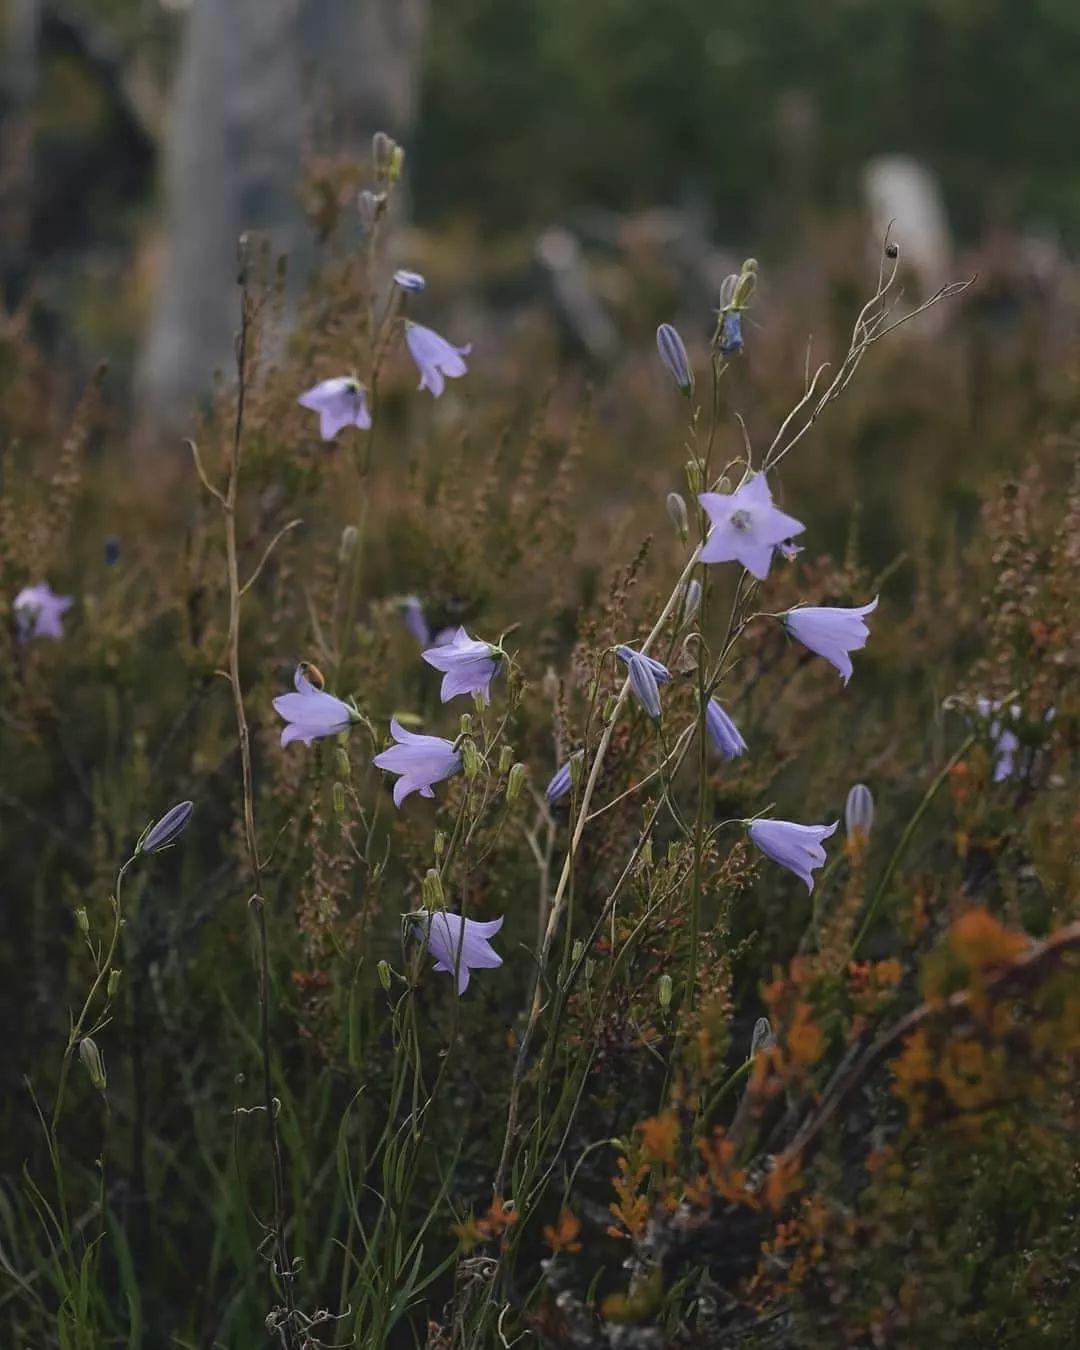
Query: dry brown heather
[{"x": 897, "y": 1167}]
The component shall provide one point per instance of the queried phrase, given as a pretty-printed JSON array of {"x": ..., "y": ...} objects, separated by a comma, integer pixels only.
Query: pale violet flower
[
  {"x": 788, "y": 550},
  {"x": 39, "y": 612},
  {"x": 419, "y": 760},
  {"x": 731, "y": 334},
  {"x": 409, "y": 281},
  {"x": 468, "y": 665},
  {"x": 340, "y": 402},
  {"x": 725, "y": 735},
  {"x": 645, "y": 675},
  {"x": 412, "y": 613},
  {"x": 562, "y": 780},
  {"x": 796, "y": 847},
  {"x": 831, "y": 632},
  {"x": 1006, "y": 743},
  {"x": 746, "y": 526},
  {"x": 310, "y": 712},
  {"x": 673, "y": 354},
  {"x": 457, "y": 944},
  {"x": 435, "y": 357}
]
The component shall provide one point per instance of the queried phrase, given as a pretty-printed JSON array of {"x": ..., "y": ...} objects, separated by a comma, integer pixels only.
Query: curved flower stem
[
  {"x": 558, "y": 901},
  {"x": 905, "y": 838}
]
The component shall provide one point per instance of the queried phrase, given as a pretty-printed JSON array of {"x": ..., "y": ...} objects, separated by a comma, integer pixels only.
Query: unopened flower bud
[
  {"x": 673, "y": 354},
  {"x": 470, "y": 758},
  {"x": 664, "y": 990},
  {"x": 113, "y": 983},
  {"x": 646, "y": 852},
  {"x": 349, "y": 537},
  {"x": 590, "y": 969},
  {"x": 608, "y": 710},
  {"x": 744, "y": 288},
  {"x": 859, "y": 815},
  {"x": 440, "y": 843},
  {"x": 693, "y": 476},
  {"x": 383, "y": 969},
  {"x": 168, "y": 829},
  {"x": 92, "y": 1062},
  {"x": 431, "y": 888},
  {"x": 762, "y": 1037},
  {"x": 691, "y": 601},
  {"x": 478, "y": 700},
  {"x": 338, "y": 794},
  {"x": 676, "y": 509},
  {"x": 83, "y": 920},
  {"x": 397, "y": 164},
  {"x": 344, "y": 763},
  {"x": 577, "y": 952},
  {"x": 515, "y": 782},
  {"x": 577, "y": 768},
  {"x": 506, "y": 758},
  {"x": 382, "y": 149},
  {"x": 466, "y": 723}
]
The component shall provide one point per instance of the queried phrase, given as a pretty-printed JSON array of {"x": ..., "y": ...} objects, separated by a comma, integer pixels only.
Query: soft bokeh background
[{"x": 576, "y": 173}]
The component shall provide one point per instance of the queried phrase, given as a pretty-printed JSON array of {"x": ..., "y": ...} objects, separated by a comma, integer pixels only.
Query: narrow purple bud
[
  {"x": 730, "y": 340},
  {"x": 645, "y": 676},
  {"x": 168, "y": 829},
  {"x": 723, "y": 732},
  {"x": 673, "y": 354}
]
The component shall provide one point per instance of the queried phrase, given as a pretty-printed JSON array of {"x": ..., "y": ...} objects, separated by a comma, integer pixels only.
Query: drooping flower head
[
  {"x": 39, "y": 612},
  {"x": 340, "y": 402},
  {"x": 412, "y": 613},
  {"x": 419, "y": 761},
  {"x": 746, "y": 527},
  {"x": 796, "y": 847},
  {"x": 436, "y": 359},
  {"x": 858, "y": 814},
  {"x": 310, "y": 712},
  {"x": 831, "y": 632},
  {"x": 468, "y": 666},
  {"x": 673, "y": 354},
  {"x": 412, "y": 282},
  {"x": 1004, "y": 741},
  {"x": 646, "y": 675},
  {"x": 723, "y": 732},
  {"x": 457, "y": 944}
]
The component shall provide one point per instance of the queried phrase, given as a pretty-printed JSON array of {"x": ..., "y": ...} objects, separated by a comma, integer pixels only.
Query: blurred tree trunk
[
  {"x": 19, "y": 26},
  {"x": 252, "y": 72}
]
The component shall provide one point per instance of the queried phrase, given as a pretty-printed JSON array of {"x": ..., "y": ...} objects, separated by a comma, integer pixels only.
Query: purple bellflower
[
  {"x": 831, "y": 632},
  {"x": 725, "y": 735},
  {"x": 340, "y": 403},
  {"x": 562, "y": 780},
  {"x": 789, "y": 550},
  {"x": 412, "y": 613},
  {"x": 1006, "y": 743},
  {"x": 673, "y": 354},
  {"x": 646, "y": 675},
  {"x": 310, "y": 712},
  {"x": 405, "y": 280},
  {"x": 731, "y": 335},
  {"x": 39, "y": 612},
  {"x": 746, "y": 527},
  {"x": 458, "y": 944},
  {"x": 419, "y": 761},
  {"x": 796, "y": 847},
  {"x": 435, "y": 357},
  {"x": 468, "y": 665}
]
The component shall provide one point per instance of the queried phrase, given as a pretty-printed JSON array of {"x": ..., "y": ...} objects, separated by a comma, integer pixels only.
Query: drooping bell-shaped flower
[
  {"x": 39, "y": 612},
  {"x": 340, "y": 402},
  {"x": 646, "y": 675},
  {"x": 796, "y": 847},
  {"x": 412, "y": 614},
  {"x": 310, "y": 712},
  {"x": 859, "y": 813},
  {"x": 457, "y": 944},
  {"x": 563, "y": 779},
  {"x": 468, "y": 666},
  {"x": 730, "y": 339},
  {"x": 723, "y": 732},
  {"x": 420, "y": 761},
  {"x": 831, "y": 632},
  {"x": 436, "y": 359},
  {"x": 673, "y": 354},
  {"x": 746, "y": 526}
]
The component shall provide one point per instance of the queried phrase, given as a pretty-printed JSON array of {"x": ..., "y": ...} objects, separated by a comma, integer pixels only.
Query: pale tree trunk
[{"x": 252, "y": 74}]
